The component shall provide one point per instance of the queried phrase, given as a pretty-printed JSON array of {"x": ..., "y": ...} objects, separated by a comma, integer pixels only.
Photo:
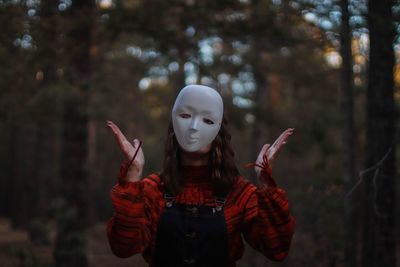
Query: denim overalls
[{"x": 191, "y": 235}]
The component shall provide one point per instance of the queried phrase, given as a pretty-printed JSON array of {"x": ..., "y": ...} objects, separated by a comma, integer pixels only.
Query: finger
[
  {"x": 279, "y": 139},
  {"x": 119, "y": 136},
  {"x": 139, "y": 158},
  {"x": 287, "y": 134},
  {"x": 135, "y": 143},
  {"x": 114, "y": 128},
  {"x": 140, "y": 154},
  {"x": 282, "y": 138},
  {"x": 264, "y": 150},
  {"x": 279, "y": 143}
]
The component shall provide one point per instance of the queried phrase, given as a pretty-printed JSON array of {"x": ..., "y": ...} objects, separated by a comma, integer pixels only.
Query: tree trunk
[
  {"x": 380, "y": 227},
  {"x": 47, "y": 63},
  {"x": 347, "y": 105},
  {"x": 256, "y": 140},
  {"x": 70, "y": 248}
]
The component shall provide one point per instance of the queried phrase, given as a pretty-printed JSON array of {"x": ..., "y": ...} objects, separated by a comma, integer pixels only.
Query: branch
[{"x": 375, "y": 168}]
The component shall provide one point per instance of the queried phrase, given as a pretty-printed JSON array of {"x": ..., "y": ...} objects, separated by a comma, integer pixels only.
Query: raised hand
[
  {"x": 272, "y": 151},
  {"x": 129, "y": 150}
]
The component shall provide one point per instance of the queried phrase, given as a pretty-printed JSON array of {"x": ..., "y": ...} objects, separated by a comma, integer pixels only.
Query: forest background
[{"x": 328, "y": 68}]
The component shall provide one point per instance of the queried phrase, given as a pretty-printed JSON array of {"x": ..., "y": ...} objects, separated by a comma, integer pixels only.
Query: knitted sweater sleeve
[
  {"x": 268, "y": 224},
  {"x": 136, "y": 209}
]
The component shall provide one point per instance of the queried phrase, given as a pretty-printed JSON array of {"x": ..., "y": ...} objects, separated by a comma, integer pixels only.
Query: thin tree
[
  {"x": 347, "y": 105},
  {"x": 380, "y": 228},
  {"x": 70, "y": 248}
]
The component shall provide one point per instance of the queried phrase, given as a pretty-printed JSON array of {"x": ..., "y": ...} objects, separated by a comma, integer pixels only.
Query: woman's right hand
[{"x": 129, "y": 149}]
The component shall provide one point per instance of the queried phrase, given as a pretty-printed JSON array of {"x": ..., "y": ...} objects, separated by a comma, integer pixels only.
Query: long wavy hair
[{"x": 221, "y": 162}]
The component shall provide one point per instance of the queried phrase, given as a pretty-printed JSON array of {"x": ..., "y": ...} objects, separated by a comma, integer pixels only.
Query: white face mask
[{"x": 197, "y": 116}]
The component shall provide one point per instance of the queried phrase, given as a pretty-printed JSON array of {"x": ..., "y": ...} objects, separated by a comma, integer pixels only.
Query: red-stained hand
[
  {"x": 129, "y": 149},
  {"x": 272, "y": 151}
]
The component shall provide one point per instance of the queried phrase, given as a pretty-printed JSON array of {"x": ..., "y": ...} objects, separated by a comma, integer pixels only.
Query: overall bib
[{"x": 191, "y": 235}]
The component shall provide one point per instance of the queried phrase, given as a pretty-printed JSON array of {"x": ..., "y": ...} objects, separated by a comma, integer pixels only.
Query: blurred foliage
[{"x": 38, "y": 232}]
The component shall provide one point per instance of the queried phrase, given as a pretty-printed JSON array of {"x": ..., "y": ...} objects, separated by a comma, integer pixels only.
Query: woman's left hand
[{"x": 272, "y": 151}]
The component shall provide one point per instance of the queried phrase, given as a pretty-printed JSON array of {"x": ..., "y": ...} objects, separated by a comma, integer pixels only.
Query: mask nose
[{"x": 194, "y": 124}]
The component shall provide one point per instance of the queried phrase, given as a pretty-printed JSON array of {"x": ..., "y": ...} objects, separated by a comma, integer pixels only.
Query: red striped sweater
[{"x": 261, "y": 215}]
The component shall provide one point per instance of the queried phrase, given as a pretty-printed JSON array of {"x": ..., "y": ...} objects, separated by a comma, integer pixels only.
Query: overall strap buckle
[
  {"x": 219, "y": 204},
  {"x": 169, "y": 200}
]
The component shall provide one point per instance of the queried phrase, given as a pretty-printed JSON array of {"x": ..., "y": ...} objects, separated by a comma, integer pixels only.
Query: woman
[{"x": 194, "y": 212}]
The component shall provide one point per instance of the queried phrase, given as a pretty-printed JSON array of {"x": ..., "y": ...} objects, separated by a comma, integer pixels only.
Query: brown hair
[{"x": 221, "y": 162}]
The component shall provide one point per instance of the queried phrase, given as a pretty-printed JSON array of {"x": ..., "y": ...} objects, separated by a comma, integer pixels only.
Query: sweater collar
[{"x": 196, "y": 174}]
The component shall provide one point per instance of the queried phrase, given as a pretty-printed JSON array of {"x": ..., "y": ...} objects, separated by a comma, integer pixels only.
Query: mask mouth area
[
  {"x": 192, "y": 140},
  {"x": 193, "y": 136}
]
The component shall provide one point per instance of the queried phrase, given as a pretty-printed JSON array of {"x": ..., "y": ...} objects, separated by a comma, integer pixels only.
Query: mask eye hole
[
  {"x": 184, "y": 115},
  {"x": 208, "y": 121}
]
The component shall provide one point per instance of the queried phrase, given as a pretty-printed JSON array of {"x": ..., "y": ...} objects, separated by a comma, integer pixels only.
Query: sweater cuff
[
  {"x": 275, "y": 200},
  {"x": 123, "y": 170},
  {"x": 131, "y": 192},
  {"x": 272, "y": 193},
  {"x": 266, "y": 175}
]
